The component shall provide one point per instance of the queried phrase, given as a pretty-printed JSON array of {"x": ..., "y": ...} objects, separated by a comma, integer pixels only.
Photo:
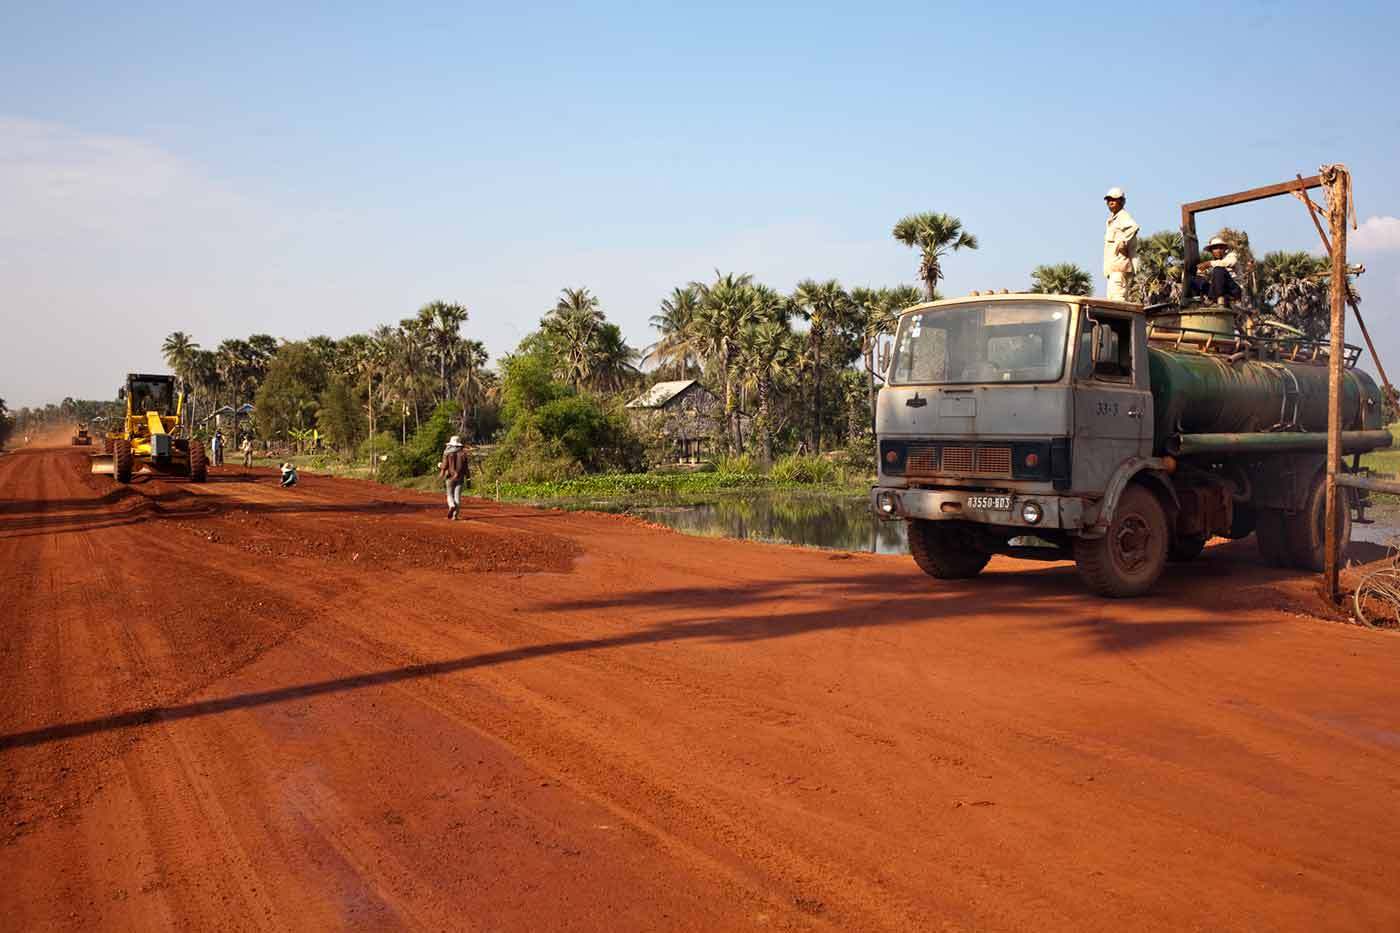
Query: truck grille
[
  {"x": 987, "y": 461},
  {"x": 994, "y": 460},
  {"x": 957, "y": 459},
  {"x": 922, "y": 461}
]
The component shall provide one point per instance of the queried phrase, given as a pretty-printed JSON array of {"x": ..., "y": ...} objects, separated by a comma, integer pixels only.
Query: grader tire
[
  {"x": 1305, "y": 532},
  {"x": 1128, "y": 560},
  {"x": 943, "y": 552},
  {"x": 122, "y": 461},
  {"x": 199, "y": 463}
]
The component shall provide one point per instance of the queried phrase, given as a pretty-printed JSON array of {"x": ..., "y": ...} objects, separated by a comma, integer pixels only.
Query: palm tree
[
  {"x": 577, "y": 301},
  {"x": 611, "y": 359},
  {"x": 676, "y": 347},
  {"x": 726, "y": 307},
  {"x": 767, "y": 354},
  {"x": 1061, "y": 278},
  {"x": 1160, "y": 258},
  {"x": 826, "y": 306},
  {"x": 179, "y": 350},
  {"x": 440, "y": 325},
  {"x": 1295, "y": 290},
  {"x": 933, "y": 235}
]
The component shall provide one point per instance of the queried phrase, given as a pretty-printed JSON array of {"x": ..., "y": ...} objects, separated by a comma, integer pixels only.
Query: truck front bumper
[{"x": 943, "y": 505}]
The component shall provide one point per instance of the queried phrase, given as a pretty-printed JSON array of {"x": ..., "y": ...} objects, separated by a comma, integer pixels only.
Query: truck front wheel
[
  {"x": 1128, "y": 559},
  {"x": 944, "y": 551}
]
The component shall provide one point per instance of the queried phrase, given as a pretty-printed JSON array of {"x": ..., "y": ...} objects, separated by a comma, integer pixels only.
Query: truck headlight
[
  {"x": 887, "y": 503},
  {"x": 1031, "y": 513}
]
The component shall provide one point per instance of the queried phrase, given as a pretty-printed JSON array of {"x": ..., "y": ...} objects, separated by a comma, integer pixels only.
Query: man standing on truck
[
  {"x": 454, "y": 470},
  {"x": 1119, "y": 245}
]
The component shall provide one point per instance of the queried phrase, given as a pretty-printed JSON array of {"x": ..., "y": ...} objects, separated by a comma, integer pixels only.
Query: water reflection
[{"x": 806, "y": 519}]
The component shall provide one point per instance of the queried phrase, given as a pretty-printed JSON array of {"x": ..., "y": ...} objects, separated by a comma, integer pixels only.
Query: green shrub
[
  {"x": 804, "y": 470},
  {"x": 743, "y": 464},
  {"x": 420, "y": 456}
]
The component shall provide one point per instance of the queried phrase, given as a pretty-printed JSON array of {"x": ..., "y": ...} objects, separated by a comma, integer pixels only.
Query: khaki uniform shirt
[
  {"x": 1228, "y": 261},
  {"x": 1119, "y": 244}
]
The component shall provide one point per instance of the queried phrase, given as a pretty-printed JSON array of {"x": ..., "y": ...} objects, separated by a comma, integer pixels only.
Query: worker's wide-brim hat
[
  {"x": 456, "y": 441},
  {"x": 286, "y": 467},
  {"x": 1216, "y": 241},
  {"x": 1115, "y": 194}
]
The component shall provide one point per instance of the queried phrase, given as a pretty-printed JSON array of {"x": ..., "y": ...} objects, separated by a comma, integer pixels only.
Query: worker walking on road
[
  {"x": 1119, "y": 245},
  {"x": 455, "y": 469},
  {"x": 216, "y": 445},
  {"x": 247, "y": 448}
]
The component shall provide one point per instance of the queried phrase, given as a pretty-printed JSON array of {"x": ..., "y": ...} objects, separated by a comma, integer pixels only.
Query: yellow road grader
[{"x": 150, "y": 439}]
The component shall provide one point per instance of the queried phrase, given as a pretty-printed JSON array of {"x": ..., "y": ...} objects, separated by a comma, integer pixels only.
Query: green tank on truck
[{"x": 1060, "y": 427}]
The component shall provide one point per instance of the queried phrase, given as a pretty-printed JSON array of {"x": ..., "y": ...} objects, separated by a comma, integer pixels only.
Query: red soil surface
[{"x": 234, "y": 706}]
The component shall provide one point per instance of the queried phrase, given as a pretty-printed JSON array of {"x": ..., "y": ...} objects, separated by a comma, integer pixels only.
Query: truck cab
[{"x": 1028, "y": 425}]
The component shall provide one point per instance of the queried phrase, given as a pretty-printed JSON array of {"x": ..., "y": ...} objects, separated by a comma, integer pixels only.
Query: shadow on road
[{"x": 907, "y": 601}]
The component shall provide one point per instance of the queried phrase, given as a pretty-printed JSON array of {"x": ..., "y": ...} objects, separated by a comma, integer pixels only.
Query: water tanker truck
[{"x": 1058, "y": 427}]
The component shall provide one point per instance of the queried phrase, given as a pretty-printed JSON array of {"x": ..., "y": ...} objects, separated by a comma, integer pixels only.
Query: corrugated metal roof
[{"x": 661, "y": 393}]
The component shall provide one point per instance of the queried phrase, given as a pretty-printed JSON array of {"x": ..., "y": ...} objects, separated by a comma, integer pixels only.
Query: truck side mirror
[
  {"x": 1095, "y": 341},
  {"x": 121, "y": 394}
]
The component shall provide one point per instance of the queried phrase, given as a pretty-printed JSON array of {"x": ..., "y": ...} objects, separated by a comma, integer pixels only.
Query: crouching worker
[
  {"x": 1217, "y": 281},
  {"x": 289, "y": 475},
  {"x": 454, "y": 470}
]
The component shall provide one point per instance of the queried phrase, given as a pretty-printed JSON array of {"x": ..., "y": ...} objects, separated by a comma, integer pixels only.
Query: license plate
[{"x": 990, "y": 503}]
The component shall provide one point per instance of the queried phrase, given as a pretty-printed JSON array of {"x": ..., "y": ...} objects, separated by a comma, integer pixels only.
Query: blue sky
[{"x": 231, "y": 169}]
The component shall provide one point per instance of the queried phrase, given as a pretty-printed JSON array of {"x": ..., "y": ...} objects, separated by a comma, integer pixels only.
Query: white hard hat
[
  {"x": 1216, "y": 241},
  {"x": 1115, "y": 193}
]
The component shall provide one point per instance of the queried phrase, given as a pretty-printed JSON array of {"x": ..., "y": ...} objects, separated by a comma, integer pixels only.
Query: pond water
[
  {"x": 841, "y": 522},
  {"x": 805, "y": 519}
]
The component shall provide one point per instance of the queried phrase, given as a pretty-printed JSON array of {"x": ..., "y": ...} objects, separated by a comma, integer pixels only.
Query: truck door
[{"x": 1112, "y": 398}]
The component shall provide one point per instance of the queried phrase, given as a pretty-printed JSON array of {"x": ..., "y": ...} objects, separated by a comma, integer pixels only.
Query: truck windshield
[{"x": 1003, "y": 341}]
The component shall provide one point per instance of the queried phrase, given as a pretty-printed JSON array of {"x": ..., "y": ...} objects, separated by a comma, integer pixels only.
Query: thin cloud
[{"x": 1376, "y": 235}]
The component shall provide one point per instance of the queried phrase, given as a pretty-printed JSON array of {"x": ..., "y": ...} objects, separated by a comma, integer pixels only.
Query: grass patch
[{"x": 657, "y": 485}]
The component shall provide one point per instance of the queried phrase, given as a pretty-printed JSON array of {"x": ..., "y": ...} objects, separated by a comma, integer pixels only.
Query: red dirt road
[{"x": 237, "y": 707}]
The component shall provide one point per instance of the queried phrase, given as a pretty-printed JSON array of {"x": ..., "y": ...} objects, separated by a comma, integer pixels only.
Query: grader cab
[{"x": 150, "y": 438}]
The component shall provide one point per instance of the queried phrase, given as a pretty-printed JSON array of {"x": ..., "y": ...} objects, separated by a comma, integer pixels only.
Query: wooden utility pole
[{"x": 1337, "y": 181}]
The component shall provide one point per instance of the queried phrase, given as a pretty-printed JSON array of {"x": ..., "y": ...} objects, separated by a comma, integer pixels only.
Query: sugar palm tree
[
  {"x": 1158, "y": 277},
  {"x": 933, "y": 235},
  {"x": 441, "y": 328},
  {"x": 1061, "y": 278},
  {"x": 727, "y": 307},
  {"x": 768, "y": 350},
  {"x": 1295, "y": 290},
  {"x": 826, "y": 306}
]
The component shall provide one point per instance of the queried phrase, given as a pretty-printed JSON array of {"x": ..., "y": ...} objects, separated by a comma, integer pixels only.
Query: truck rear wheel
[
  {"x": 199, "y": 463},
  {"x": 943, "y": 551},
  {"x": 1128, "y": 559},
  {"x": 1306, "y": 531},
  {"x": 122, "y": 461}
]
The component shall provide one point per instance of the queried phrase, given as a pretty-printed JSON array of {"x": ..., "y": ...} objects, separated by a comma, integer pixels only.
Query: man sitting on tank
[{"x": 1217, "y": 281}]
